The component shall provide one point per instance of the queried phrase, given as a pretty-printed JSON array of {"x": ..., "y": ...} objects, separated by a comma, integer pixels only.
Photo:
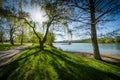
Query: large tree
[
  {"x": 2, "y": 31},
  {"x": 93, "y": 12},
  {"x": 54, "y": 14},
  {"x": 12, "y": 28},
  {"x": 14, "y": 14}
]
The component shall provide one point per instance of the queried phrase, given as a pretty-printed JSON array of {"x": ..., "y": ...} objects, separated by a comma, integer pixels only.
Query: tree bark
[
  {"x": 41, "y": 45},
  {"x": 93, "y": 31},
  {"x": 46, "y": 34},
  {"x": 47, "y": 30},
  {"x": 21, "y": 41},
  {"x": 11, "y": 39},
  {"x": 11, "y": 35},
  {"x": 22, "y": 38},
  {"x": 1, "y": 37}
]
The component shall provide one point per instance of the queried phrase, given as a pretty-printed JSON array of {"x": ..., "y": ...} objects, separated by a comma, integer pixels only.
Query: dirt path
[
  {"x": 106, "y": 57},
  {"x": 7, "y": 54}
]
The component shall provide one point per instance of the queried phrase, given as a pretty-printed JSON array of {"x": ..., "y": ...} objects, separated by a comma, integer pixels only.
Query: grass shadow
[
  {"x": 113, "y": 63},
  {"x": 9, "y": 68},
  {"x": 70, "y": 70},
  {"x": 53, "y": 64}
]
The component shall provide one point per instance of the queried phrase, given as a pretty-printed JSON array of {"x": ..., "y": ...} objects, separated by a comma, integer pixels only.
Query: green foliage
[
  {"x": 117, "y": 39},
  {"x": 50, "y": 38},
  {"x": 82, "y": 41},
  {"x": 100, "y": 40},
  {"x": 50, "y": 9},
  {"x": 19, "y": 36},
  {"x": 53, "y": 64},
  {"x": 34, "y": 38},
  {"x": 109, "y": 40},
  {"x": 105, "y": 40}
]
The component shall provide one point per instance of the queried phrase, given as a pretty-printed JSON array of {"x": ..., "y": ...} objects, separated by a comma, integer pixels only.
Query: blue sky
[{"x": 39, "y": 16}]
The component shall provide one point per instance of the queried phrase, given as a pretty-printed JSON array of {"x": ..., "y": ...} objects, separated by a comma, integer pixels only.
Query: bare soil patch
[{"x": 105, "y": 56}]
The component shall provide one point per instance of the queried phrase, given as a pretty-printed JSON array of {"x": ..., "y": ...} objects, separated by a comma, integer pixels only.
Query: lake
[{"x": 112, "y": 48}]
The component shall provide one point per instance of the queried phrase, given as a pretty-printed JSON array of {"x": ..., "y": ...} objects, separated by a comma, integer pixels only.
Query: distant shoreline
[{"x": 90, "y": 42}]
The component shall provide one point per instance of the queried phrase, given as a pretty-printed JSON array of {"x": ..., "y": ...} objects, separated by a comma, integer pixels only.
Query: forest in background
[{"x": 100, "y": 40}]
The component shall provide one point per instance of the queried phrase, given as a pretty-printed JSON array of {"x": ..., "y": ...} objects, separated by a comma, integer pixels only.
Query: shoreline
[{"x": 104, "y": 56}]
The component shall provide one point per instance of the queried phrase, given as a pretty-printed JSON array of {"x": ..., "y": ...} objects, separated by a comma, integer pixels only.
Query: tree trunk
[
  {"x": 1, "y": 38},
  {"x": 11, "y": 39},
  {"x": 21, "y": 42},
  {"x": 45, "y": 37},
  {"x": 47, "y": 30},
  {"x": 41, "y": 45},
  {"x": 22, "y": 38},
  {"x": 94, "y": 32},
  {"x": 95, "y": 43}
]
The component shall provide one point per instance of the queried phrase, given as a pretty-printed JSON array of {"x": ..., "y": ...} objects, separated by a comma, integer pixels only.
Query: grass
[
  {"x": 54, "y": 64},
  {"x": 6, "y": 46}
]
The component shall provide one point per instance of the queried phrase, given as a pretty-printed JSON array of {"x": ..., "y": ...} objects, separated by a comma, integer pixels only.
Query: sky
[{"x": 38, "y": 15}]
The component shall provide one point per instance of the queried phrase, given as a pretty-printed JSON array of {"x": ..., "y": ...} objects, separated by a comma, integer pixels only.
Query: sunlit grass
[{"x": 53, "y": 64}]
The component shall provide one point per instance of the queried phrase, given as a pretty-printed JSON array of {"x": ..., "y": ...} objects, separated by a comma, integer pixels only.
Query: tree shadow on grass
[
  {"x": 66, "y": 67},
  {"x": 70, "y": 70},
  {"x": 11, "y": 67},
  {"x": 31, "y": 47},
  {"x": 113, "y": 63}
]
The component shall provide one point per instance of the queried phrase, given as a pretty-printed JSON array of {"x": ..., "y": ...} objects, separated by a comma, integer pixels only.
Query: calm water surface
[{"x": 113, "y": 48}]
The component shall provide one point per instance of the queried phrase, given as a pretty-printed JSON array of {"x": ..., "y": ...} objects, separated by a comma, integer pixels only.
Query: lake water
[{"x": 113, "y": 48}]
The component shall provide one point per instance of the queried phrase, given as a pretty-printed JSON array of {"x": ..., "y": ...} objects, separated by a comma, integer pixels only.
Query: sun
[{"x": 37, "y": 15}]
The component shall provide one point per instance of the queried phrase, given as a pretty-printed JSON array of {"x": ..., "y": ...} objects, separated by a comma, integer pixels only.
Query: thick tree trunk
[
  {"x": 95, "y": 43},
  {"x": 94, "y": 32},
  {"x": 44, "y": 39},
  {"x": 41, "y": 45},
  {"x": 47, "y": 30}
]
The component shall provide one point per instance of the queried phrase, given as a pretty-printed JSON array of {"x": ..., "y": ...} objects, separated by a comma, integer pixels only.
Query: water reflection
[
  {"x": 117, "y": 46},
  {"x": 87, "y": 47}
]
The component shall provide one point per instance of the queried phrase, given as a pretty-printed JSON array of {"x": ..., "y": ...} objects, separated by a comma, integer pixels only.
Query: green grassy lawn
[
  {"x": 54, "y": 64},
  {"x": 7, "y": 46}
]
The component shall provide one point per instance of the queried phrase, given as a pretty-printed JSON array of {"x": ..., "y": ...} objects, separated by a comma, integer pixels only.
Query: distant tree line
[
  {"x": 109, "y": 40},
  {"x": 100, "y": 40}
]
